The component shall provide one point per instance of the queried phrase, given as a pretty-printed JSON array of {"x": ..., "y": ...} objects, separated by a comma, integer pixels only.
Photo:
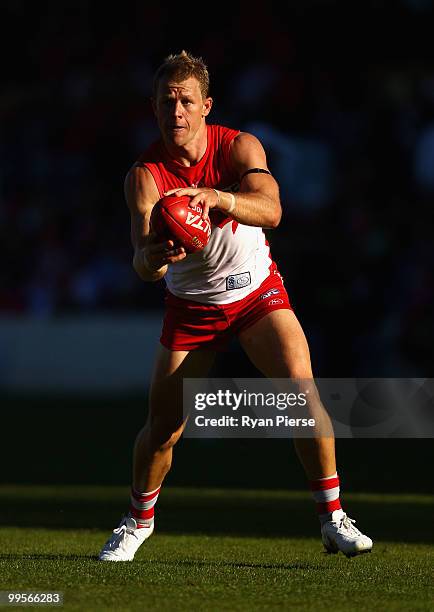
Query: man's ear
[{"x": 206, "y": 107}]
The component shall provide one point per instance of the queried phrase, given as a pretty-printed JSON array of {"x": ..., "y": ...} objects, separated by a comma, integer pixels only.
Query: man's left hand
[{"x": 207, "y": 197}]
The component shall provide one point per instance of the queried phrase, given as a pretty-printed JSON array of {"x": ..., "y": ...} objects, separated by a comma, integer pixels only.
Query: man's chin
[{"x": 176, "y": 140}]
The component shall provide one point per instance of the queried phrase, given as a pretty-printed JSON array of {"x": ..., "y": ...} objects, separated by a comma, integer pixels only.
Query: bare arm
[
  {"x": 150, "y": 256},
  {"x": 257, "y": 202}
]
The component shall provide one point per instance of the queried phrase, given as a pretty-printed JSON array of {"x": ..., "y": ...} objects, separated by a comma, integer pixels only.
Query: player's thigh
[
  {"x": 277, "y": 346},
  {"x": 171, "y": 367}
]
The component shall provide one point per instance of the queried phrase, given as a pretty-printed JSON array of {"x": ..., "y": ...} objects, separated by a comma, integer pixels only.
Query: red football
[{"x": 173, "y": 219}]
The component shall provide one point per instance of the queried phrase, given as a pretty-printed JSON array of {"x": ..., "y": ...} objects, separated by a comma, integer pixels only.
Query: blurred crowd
[{"x": 347, "y": 121}]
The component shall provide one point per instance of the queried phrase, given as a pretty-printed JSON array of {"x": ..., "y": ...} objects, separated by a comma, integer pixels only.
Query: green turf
[{"x": 216, "y": 550}]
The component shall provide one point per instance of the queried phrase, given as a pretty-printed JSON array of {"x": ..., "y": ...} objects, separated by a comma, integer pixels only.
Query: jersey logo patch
[
  {"x": 275, "y": 301},
  {"x": 269, "y": 293},
  {"x": 238, "y": 281}
]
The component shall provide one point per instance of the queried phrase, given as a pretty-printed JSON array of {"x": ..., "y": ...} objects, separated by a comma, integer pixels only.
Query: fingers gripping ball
[{"x": 173, "y": 219}]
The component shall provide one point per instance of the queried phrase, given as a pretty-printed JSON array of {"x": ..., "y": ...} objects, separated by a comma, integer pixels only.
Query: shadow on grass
[
  {"x": 196, "y": 563},
  {"x": 228, "y": 514},
  {"x": 182, "y": 562},
  {"x": 45, "y": 557}
]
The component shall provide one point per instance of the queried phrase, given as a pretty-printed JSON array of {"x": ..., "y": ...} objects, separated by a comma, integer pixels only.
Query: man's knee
[{"x": 163, "y": 435}]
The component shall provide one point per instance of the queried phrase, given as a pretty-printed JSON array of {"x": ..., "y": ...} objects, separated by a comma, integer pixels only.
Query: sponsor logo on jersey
[
  {"x": 275, "y": 301},
  {"x": 264, "y": 296},
  {"x": 238, "y": 281}
]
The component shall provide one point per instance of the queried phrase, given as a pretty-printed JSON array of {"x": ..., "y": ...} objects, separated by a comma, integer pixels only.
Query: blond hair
[{"x": 181, "y": 67}]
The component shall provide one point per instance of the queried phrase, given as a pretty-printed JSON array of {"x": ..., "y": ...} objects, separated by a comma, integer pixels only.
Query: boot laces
[
  {"x": 120, "y": 533},
  {"x": 347, "y": 524}
]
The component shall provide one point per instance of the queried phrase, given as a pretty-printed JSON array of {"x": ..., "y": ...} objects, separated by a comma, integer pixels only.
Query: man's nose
[{"x": 176, "y": 108}]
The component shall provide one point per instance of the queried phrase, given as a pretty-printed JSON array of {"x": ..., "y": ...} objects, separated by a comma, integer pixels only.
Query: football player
[{"x": 215, "y": 294}]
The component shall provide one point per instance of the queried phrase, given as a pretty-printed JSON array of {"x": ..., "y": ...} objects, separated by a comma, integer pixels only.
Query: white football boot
[
  {"x": 125, "y": 540},
  {"x": 339, "y": 534}
]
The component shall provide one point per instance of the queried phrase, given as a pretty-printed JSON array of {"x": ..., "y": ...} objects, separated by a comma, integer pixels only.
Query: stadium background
[{"x": 347, "y": 118}]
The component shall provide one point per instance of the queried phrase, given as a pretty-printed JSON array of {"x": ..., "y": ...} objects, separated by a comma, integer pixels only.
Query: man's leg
[
  {"x": 153, "y": 447},
  {"x": 277, "y": 346}
]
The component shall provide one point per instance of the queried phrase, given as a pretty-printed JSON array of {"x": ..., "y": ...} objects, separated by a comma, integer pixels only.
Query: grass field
[{"x": 216, "y": 550}]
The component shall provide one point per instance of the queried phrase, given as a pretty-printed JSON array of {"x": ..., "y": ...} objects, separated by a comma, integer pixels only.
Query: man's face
[{"x": 180, "y": 110}]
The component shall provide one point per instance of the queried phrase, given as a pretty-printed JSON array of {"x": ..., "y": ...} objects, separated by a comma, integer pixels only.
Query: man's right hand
[
  {"x": 157, "y": 254},
  {"x": 151, "y": 261}
]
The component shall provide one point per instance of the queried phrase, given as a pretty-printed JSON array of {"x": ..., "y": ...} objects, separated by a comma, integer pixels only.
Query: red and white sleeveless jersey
[{"x": 237, "y": 258}]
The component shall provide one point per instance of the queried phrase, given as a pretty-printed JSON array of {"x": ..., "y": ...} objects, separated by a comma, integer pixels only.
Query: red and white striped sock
[
  {"x": 142, "y": 506},
  {"x": 326, "y": 494}
]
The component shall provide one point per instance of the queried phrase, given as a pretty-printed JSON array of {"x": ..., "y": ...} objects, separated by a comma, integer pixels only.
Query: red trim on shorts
[{"x": 190, "y": 325}]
